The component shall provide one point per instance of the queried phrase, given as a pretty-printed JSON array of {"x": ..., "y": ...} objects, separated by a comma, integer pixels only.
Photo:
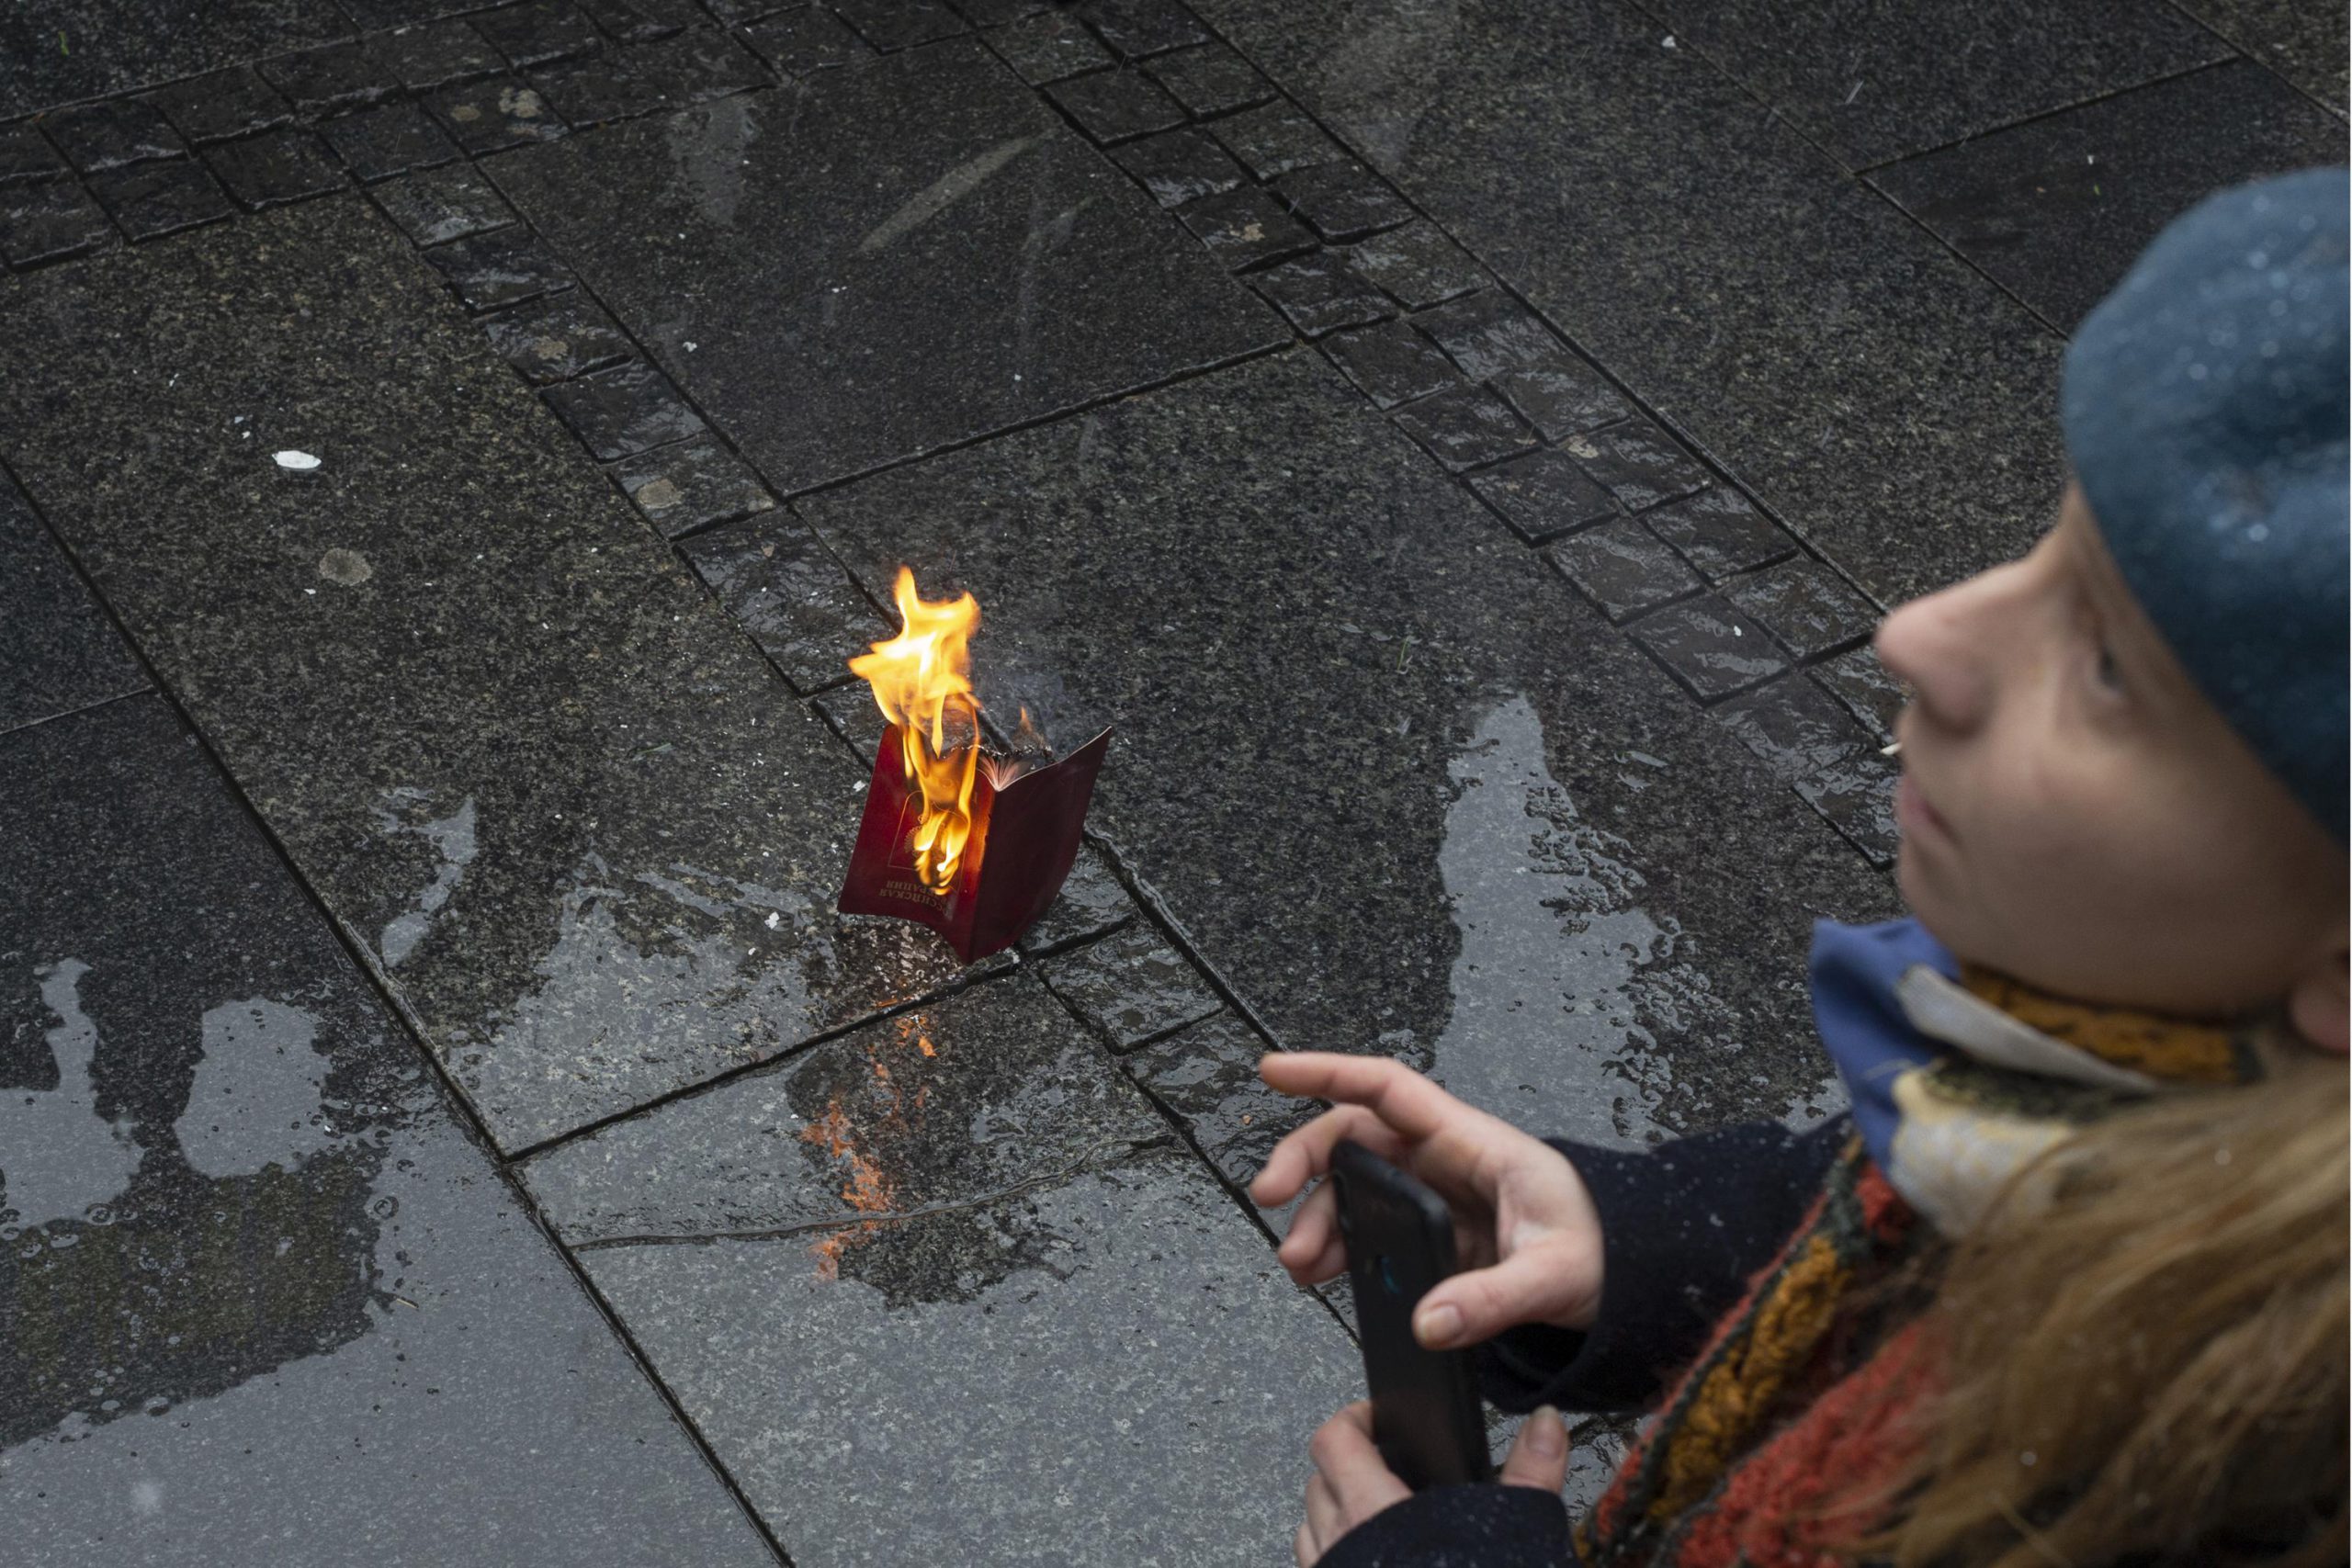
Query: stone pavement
[{"x": 1462, "y": 448}]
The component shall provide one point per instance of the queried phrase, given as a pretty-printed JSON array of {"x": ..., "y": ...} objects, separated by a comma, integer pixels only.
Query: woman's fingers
[
  {"x": 1323, "y": 1519},
  {"x": 1345, "y": 1455},
  {"x": 1402, "y": 1097},
  {"x": 1313, "y": 1250},
  {"x": 1306, "y": 1154},
  {"x": 1539, "y": 1456},
  {"x": 1551, "y": 1279}
]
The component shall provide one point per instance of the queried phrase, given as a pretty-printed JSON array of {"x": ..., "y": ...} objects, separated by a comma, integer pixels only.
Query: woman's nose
[{"x": 1943, "y": 646}]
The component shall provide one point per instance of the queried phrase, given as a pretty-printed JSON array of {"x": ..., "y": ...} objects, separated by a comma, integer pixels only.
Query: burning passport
[{"x": 971, "y": 841}]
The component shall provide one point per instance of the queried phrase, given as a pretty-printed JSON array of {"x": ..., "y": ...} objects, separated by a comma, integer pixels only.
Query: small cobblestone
[
  {"x": 1561, "y": 399},
  {"x": 275, "y": 167},
  {"x": 1317, "y": 294},
  {"x": 1207, "y": 1074},
  {"x": 1342, "y": 201},
  {"x": 1177, "y": 166},
  {"x": 555, "y": 338},
  {"x": 226, "y": 103},
  {"x": 1116, "y": 106},
  {"x": 1640, "y": 464},
  {"x": 1857, "y": 796},
  {"x": 890, "y": 25},
  {"x": 1868, "y": 692},
  {"x": 1805, "y": 605},
  {"x": 1795, "y": 726},
  {"x": 1274, "y": 139},
  {"x": 1391, "y": 362},
  {"x": 49, "y": 222},
  {"x": 1623, "y": 568},
  {"x": 26, "y": 154},
  {"x": 1543, "y": 495},
  {"x": 339, "y": 76},
  {"x": 624, "y": 22},
  {"x": 779, "y": 583},
  {"x": 692, "y": 485},
  {"x": 502, "y": 267},
  {"x": 597, "y": 90},
  {"x": 439, "y": 53},
  {"x": 1711, "y": 647},
  {"x": 1139, "y": 28},
  {"x": 1416, "y": 267},
  {"x": 1050, "y": 46},
  {"x": 388, "y": 139},
  {"x": 623, "y": 411},
  {"x": 148, "y": 200},
  {"x": 496, "y": 113},
  {"x": 1210, "y": 81},
  {"x": 1720, "y": 532},
  {"x": 110, "y": 135},
  {"x": 1090, "y": 904},
  {"x": 536, "y": 32},
  {"x": 1490, "y": 333},
  {"x": 697, "y": 65},
  {"x": 444, "y": 204},
  {"x": 803, "y": 40},
  {"x": 1246, "y": 227},
  {"x": 1464, "y": 427}
]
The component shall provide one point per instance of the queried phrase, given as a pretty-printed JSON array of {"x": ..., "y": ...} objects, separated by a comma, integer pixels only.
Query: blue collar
[{"x": 1853, "y": 971}]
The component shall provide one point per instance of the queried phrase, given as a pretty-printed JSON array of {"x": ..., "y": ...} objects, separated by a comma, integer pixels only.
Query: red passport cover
[{"x": 1025, "y": 839}]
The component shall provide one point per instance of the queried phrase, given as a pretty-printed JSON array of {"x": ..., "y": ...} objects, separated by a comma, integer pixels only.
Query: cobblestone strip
[{"x": 1754, "y": 625}]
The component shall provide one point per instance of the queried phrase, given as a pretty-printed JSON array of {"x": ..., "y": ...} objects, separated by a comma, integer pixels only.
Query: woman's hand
[
  {"x": 1352, "y": 1482},
  {"x": 1528, "y": 1237}
]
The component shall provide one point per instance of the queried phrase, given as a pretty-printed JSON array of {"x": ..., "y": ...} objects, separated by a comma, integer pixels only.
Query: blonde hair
[{"x": 2154, "y": 1361}]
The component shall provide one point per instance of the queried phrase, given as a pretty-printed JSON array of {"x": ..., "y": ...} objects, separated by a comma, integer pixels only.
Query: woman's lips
[{"x": 1913, "y": 812}]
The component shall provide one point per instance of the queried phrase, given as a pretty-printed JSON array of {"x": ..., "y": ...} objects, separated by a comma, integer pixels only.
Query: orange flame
[{"x": 922, "y": 678}]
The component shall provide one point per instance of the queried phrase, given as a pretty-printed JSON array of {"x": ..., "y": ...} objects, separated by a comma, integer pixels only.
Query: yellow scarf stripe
[
  {"x": 1735, "y": 1394},
  {"x": 2161, "y": 1047}
]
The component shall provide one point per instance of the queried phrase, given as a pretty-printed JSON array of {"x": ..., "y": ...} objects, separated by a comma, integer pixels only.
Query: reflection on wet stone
[
  {"x": 1543, "y": 495},
  {"x": 1720, "y": 532},
  {"x": 1296, "y": 830},
  {"x": 850, "y": 712},
  {"x": 49, "y": 223},
  {"x": 439, "y": 53},
  {"x": 1623, "y": 569},
  {"x": 596, "y": 90},
  {"x": 26, "y": 155},
  {"x": 1245, "y": 227},
  {"x": 1208, "y": 1075},
  {"x": 655, "y": 845},
  {"x": 622, "y": 412},
  {"x": 1139, "y": 28},
  {"x": 338, "y": 76},
  {"x": 1211, "y": 80},
  {"x": 496, "y": 113},
  {"x": 1416, "y": 267},
  {"x": 1342, "y": 201},
  {"x": 1710, "y": 646},
  {"x": 691, "y": 486},
  {"x": 1179, "y": 166},
  {"x": 377, "y": 143},
  {"x": 782, "y": 586},
  {"x": 1795, "y": 726},
  {"x": 225, "y": 104},
  {"x": 1857, "y": 795},
  {"x": 151, "y": 199},
  {"x": 1274, "y": 139},
  {"x": 1317, "y": 294},
  {"x": 1132, "y": 988},
  {"x": 444, "y": 204},
  {"x": 555, "y": 339},
  {"x": 1464, "y": 426},
  {"x": 1391, "y": 362},
  {"x": 1805, "y": 605},
  {"x": 1090, "y": 904},
  {"x": 107, "y": 136},
  {"x": 990, "y": 1090},
  {"x": 696, "y": 64},
  {"x": 1638, "y": 462},
  {"x": 275, "y": 166},
  {"x": 1050, "y": 46},
  {"x": 954, "y": 1330},
  {"x": 505, "y": 267},
  {"x": 1561, "y": 398},
  {"x": 234, "y": 1204},
  {"x": 899, "y": 24},
  {"x": 1857, "y": 679}
]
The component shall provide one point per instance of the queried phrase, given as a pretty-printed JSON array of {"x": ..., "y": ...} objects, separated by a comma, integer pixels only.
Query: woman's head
[
  {"x": 2125, "y": 772},
  {"x": 2077, "y": 814}
]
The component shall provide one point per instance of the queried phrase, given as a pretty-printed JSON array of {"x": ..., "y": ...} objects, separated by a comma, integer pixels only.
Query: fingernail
[
  {"x": 1439, "y": 1326},
  {"x": 1547, "y": 1435}
]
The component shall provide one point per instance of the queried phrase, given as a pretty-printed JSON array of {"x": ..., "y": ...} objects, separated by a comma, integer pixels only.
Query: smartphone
[{"x": 1426, "y": 1417}]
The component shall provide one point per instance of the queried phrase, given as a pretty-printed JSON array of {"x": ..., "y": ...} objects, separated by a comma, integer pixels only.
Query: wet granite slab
[
  {"x": 2059, "y": 209},
  {"x": 2306, "y": 44},
  {"x": 58, "y": 651},
  {"x": 959, "y": 261},
  {"x": 1401, "y": 787},
  {"x": 267, "y": 1301},
  {"x": 1881, "y": 396},
  {"x": 941, "y": 1255},
  {"x": 588, "y": 838},
  {"x": 1879, "y": 79},
  {"x": 59, "y": 52}
]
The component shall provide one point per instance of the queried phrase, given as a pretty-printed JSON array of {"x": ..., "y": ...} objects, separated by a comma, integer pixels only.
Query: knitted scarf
[{"x": 1958, "y": 1077}]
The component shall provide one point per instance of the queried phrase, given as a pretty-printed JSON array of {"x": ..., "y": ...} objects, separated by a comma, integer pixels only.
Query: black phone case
[{"x": 1425, "y": 1412}]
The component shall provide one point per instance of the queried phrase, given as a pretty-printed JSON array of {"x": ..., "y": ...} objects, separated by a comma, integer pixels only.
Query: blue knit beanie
[{"x": 2205, "y": 410}]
